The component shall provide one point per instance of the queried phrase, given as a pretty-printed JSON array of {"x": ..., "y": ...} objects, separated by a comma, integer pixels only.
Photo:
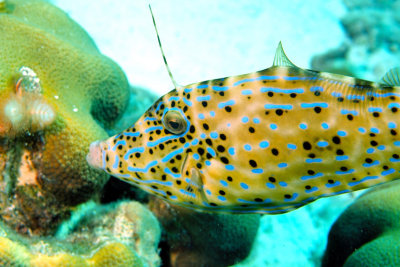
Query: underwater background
[{"x": 204, "y": 40}]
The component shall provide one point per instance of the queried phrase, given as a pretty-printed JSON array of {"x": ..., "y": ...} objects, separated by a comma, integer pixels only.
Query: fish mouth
[{"x": 95, "y": 155}]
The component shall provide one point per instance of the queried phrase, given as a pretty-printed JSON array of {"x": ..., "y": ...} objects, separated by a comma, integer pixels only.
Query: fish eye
[{"x": 174, "y": 122}]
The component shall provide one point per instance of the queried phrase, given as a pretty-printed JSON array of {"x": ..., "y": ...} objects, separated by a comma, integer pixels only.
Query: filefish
[{"x": 264, "y": 142}]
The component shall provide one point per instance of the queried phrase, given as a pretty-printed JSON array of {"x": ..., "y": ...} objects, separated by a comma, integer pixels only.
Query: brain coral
[
  {"x": 204, "y": 239},
  {"x": 367, "y": 233},
  {"x": 79, "y": 95}
]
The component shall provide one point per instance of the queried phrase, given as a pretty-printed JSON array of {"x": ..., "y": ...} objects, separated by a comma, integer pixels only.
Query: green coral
[
  {"x": 367, "y": 233},
  {"x": 44, "y": 173}
]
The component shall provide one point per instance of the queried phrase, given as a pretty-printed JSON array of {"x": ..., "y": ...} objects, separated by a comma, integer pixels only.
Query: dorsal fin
[
  {"x": 281, "y": 59},
  {"x": 162, "y": 51},
  {"x": 392, "y": 77}
]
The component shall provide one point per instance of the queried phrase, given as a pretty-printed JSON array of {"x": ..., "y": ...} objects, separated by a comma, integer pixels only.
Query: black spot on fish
[
  {"x": 222, "y": 136},
  {"x": 153, "y": 170},
  {"x": 251, "y": 130},
  {"x": 311, "y": 172},
  {"x": 185, "y": 108},
  {"x": 279, "y": 112},
  {"x": 221, "y": 192},
  {"x": 343, "y": 168},
  {"x": 205, "y": 126},
  {"x": 336, "y": 140},
  {"x": 368, "y": 160},
  {"x": 311, "y": 155},
  {"x": 198, "y": 165},
  {"x": 375, "y": 114},
  {"x": 253, "y": 163},
  {"x": 330, "y": 181},
  {"x": 169, "y": 193},
  {"x": 228, "y": 109},
  {"x": 163, "y": 177},
  {"x": 270, "y": 94},
  {"x": 224, "y": 160},
  {"x": 209, "y": 142},
  {"x": 393, "y": 132},
  {"x": 308, "y": 187},
  {"x": 340, "y": 99},
  {"x": 275, "y": 152},
  {"x": 385, "y": 167},
  {"x": 396, "y": 156},
  {"x": 293, "y": 95},
  {"x": 288, "y": 196},
  {"x": 349, "y": 117},
  {"x": 178, "y": 182},
  {"x": 257, "y": 199},
  {"x": 394, "y": 109},
  {"x": 213, "y": 204},
  {"x": 204, "y": 103},
  {"x": 200, "y": 151},
  {"x": 317, "y": 93},
  {"x": 221, "y": 93},
  {"x": 272, "y": 179},
  {"x": 229, "y": 178},
  {"x": 220, "y": 148},
  {"x": 175, "y": 169},
  {"x": 137, "y": 154},
  {"x": 306, "y": 145},
  {"x": 373, "y": 143},
  {"x": 317, "y": 109},
  {"x": 339, "y": 152},
  {"x": 161, "y": 146},
  {"x": 192, "y": 129}
]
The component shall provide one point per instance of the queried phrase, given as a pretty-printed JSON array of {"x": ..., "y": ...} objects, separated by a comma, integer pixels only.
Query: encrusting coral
[
  {"x": 57, "y": 95},
  {"x": 204, "y": 239},
  {"x": 116, "y": 235},
  {"x": 367, "y": 233}
]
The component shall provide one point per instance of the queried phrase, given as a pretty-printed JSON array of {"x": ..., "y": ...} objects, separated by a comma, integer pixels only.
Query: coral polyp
[{"x": 25, "y": 109}]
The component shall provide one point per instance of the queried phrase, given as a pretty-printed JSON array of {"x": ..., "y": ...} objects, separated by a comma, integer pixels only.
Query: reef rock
[
  {"x": 57, "y": 95},
  {"x": 199, "y": 239},
  {"x": 125, "y": 234}
]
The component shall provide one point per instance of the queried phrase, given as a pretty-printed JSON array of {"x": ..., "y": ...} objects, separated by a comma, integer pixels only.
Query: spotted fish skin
[{"x": 265, "y": 142}]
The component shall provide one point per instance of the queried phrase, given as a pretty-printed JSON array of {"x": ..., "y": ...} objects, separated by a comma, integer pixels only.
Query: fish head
[{"x": 156, "y": 153}]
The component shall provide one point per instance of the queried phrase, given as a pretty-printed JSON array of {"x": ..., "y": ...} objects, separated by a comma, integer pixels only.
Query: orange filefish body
[{"x": 268, "y": 142}]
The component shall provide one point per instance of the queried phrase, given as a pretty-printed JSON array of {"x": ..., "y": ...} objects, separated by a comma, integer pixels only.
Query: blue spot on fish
[
  {"x": 264, "y": 144},
  {"x": 303, "y": 126},
  {"x": 291, "y": 146},
  {"x": 244, "y": 186},
  {"x": 312, "y": 105},
  {"x": 273, "y": 126},
  {"x": 337, "y": 183},
  {"x": 322, "y": 143},
  {"x": 223, "y": 183},
  {"x": 227, "y": 103},
  {"x": 257, "y": 171},
  {"x": 247, "y": 147},
  {"x": 247, "y": 92},
  {"x": 276, "y": 106}
]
